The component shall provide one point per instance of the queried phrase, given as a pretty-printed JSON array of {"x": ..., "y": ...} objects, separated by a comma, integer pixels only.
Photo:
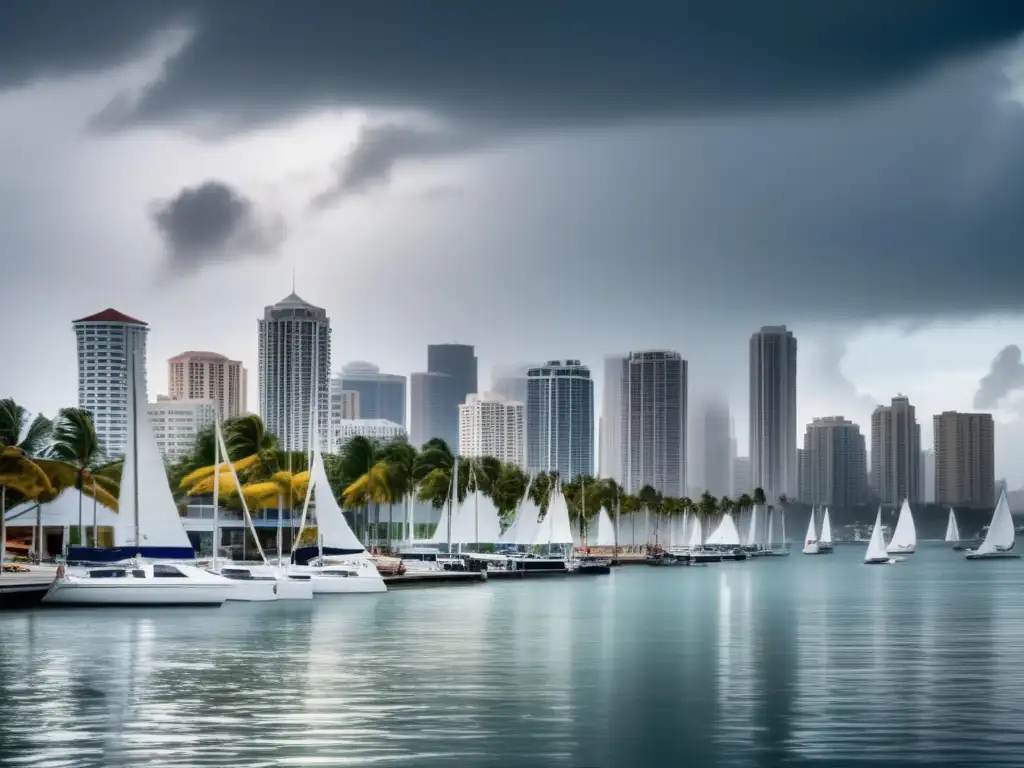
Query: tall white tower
[
  {"x": 294, "y": 371},
  {"x": 104, "y": 343}
]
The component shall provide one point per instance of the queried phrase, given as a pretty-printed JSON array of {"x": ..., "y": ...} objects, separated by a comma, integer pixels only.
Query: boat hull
[
  {"x": 901, "y": 550},
  {"x": 812, "y": 549},
  {"x": 254, "y": 591},
  {"x": 340, "y": 585},
  {"x": 73, "y": 591},
  {"x": 294, "y": 589},
  {"x": 879, "y": 561},
  {"x": 992, "y": 556},
  {"x": 705, "y": 557}
]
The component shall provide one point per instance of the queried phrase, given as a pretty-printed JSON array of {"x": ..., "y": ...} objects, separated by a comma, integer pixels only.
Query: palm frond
[{"x": 203, "y": 473}]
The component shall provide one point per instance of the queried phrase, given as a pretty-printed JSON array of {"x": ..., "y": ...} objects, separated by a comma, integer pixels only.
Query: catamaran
[
  {"x": 904, "y": 538},
  {"x": 152, "y": 561},
  {"x": 876, "y": 554},
  {"x": 1001, "y": 537}
]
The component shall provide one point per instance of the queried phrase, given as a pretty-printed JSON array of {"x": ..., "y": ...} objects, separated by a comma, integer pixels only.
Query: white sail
[
  {"x": 605, "y": 530},
  {"x": 952, "y": 530},
  {"x": 826, "y": 529},
  {"x": 332, "y": 528},
  {"x": 1001, "y": 536},
  {"x": 527, "y": 523},
  {"x": 876, "y": 546},
  {"x": 159, "y": 521},
  {"x": 754, "y": 539},
  {"x": 904, "y": 538},
  {"x": 812, "y": 536},
  {"x": 726, "y": 534},
  {"x": 770, "y": 541},
  {"x": 476, "y": 522},
  {"x": 695, "y": 533},
  {"x": 555, "y": 527}
]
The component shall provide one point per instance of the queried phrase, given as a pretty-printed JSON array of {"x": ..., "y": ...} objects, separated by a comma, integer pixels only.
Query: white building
[
  {"x": 294, "y": 371},
  {"x": 493, "y": 425},
  {"x": 176, "y": 424},
  {"x": 209, "y": 376},
  {"x": 381, "y": 430},
  {"x": 104, "y": 342},
  {"x": 609, "y": 427},
  {"x": 773, "y": 451}
]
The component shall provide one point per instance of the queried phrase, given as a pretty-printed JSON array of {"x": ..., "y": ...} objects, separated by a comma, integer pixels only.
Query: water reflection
[{"x": 802, "y": 662}]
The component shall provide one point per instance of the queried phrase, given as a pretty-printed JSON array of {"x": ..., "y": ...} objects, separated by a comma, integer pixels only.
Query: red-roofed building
[{"x": 104, "y": 342}]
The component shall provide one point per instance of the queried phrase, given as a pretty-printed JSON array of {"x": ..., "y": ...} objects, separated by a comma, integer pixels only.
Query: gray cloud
[
  {"x": 1005, "y": 375},
  {"x": 531, "y": 62},
  {"x": 213, "y": 222},
  {"x": 380, "y": 147}
]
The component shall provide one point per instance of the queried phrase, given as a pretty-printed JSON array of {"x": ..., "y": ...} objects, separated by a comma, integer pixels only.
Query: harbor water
[{"x": 799, "y": 661}]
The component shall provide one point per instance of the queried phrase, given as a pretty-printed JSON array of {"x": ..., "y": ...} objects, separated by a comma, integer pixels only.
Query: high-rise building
[
  {"x": 773, "y": 457},
  {"x": 177, "y": 423},
  {"x": 965, "y": 472},
  {"x": 709, "y": 448},
  {"x": 381, "y": 395},
  {"x": 492, "y": 425},
  {"x": 428, "y": 398},
  {"x": 105, "y": 344},
  {"x": 209, "y": 376},
  {"x": 344, "y": 406},
  {"x": 928, "y": 476},
  {"x": 295, "y": 371},
  {"x": 741, "y": 477},
  {"x": 896, "y": 452},
  {"x": 560, "y": 419},
  {"x": 609, "y": 428},
  {"x": 459, "y": 364},
  {"x": 835, "y": 470},
  {"x": 654, "y": 400}
]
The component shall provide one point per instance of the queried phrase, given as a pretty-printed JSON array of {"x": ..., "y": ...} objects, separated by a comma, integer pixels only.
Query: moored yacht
[
  {"x": 152, "y": 562},
  {"x": 811, "y": 546},
  {"x": 1001, "y": 536}
]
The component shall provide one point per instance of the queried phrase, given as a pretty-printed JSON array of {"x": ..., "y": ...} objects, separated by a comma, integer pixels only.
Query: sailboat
[
  {"x": 152, "y": 562},
  {"x": 876, "y": 554},
  {"x": 904, "y": 538},
  {"x": 825, "y": 540},
  {"x": 339, "y": 563},
  {"x": 953, "y": 532},
  {"x": 783, "y": 550},
  {"x": 1001, "y": 537},
  {"x": 726, "y": 539},
  {"x": 811, "y": 538}
]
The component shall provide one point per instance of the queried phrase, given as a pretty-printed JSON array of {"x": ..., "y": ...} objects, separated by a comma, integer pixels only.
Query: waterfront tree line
[{"x": 40, "y": 458}]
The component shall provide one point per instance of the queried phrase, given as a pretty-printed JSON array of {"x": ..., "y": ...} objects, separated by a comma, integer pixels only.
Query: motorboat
[
  {"x": 1001, "y": 536},
  {"x": 904, "y": 537},
  {"x": 876, "y": 554},
  {"x": 139, "y": 583},
  {"x": 586, "y": 565}
]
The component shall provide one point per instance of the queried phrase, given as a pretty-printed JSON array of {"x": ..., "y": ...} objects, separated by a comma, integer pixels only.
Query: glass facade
[{"x": 560, "y": 419}]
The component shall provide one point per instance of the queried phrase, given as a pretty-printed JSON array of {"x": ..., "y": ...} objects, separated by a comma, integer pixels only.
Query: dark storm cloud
[
  {"x": 1005, "y": 375},
  {"x": 377, "y": 150},
  {"x": 213, "y": 222},
  {"x": 510, "y": 63}
]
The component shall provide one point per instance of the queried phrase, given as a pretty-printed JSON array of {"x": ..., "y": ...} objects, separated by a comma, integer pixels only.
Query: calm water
[{"x": 800, "y": 661}]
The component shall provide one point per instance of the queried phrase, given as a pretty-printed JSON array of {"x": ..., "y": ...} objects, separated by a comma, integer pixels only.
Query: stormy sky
[{"x": 532, "y": 179}]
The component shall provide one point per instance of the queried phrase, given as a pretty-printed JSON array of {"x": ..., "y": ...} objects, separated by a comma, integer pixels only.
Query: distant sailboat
[
  {"x": 811, "y": 537},
  {"x": 953, "y": 531},
  {"x": 1001, "y": 537},
  {"x": 904, "y": 538},
  {"x": 825, "y": 540},
  {"x": 876, "y": 554}
]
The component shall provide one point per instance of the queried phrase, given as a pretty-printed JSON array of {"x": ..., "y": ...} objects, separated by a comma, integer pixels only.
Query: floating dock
[
  {"x": 435, "y": 578},
  {"x": 23, "y": 590}
]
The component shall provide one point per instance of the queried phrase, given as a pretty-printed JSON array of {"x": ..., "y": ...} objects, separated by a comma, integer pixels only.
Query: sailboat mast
[
  {"x": 476, "y": 506},
  {"x": 216, "y": 491},
  {"x": 135, "y": 444}
]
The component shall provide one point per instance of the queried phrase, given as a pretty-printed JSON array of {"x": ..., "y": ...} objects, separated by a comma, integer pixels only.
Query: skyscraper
[
  {"x": 773, "y": 449},
  {"x": 459, "y": 364},
  {"x": 428, "y": 400},
  {"x": 835, "y": 463},
  {"x": 209, "y": 376},
  {"x": 896, "y": 452},
  {"x": 492, "y": 425},
  {"x": 654, "y": 391},
  {"x": 381, "y": 395},
  {"x": 709, "y": 448},
  {"x": 609, "y": 430},
  {"x": 294, "y": 371},
  {"x": 105, "y": 342},
  {"x": 560, "y": 419},
  {"x": 965, "y": 473}
]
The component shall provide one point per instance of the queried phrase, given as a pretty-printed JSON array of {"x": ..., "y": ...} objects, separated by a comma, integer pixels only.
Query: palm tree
[
  {"x": 400, "y": 459},
  {"x": 19, "y": 473},
  {"x": 508, "y": 491},
  {"x": 74, "y": 442},
  {"x": 707, "y": 506},
  {"x": 743, "y": 503},
  {"x": 759, "y": 497},
  {"x": 17, "y": 430},
  {"x": 373, "y": 487},
  {"x": 630, "y": 505},
  {"x": 358, "y": 457},
  {"x": 651, "y": 500}
]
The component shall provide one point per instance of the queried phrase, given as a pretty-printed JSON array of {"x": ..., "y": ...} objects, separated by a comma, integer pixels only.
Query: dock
[
  {"x": 23, "y": 590},
  {"x": 435, "y": 578}
]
